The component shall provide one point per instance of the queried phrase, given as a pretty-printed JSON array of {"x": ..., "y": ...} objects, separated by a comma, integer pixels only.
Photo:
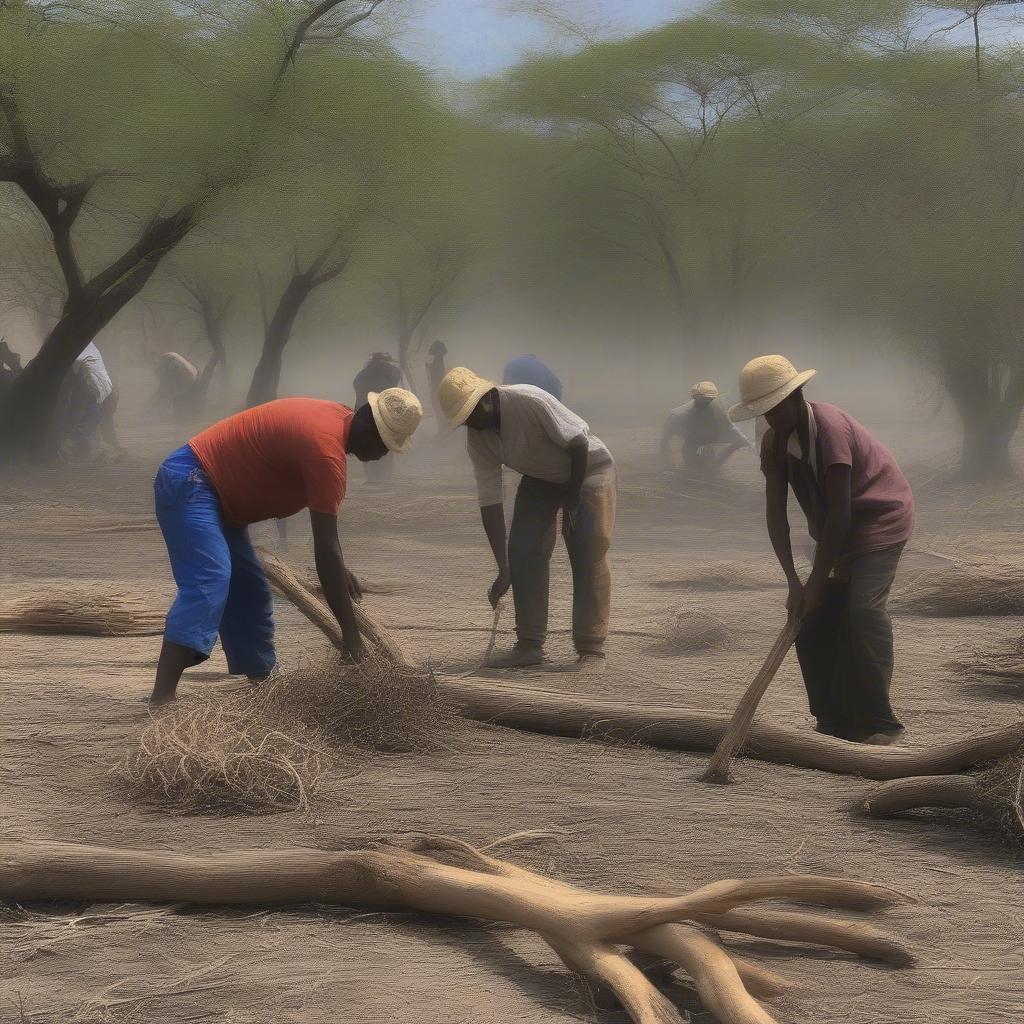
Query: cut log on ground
[{"x": 447, "y": 876}]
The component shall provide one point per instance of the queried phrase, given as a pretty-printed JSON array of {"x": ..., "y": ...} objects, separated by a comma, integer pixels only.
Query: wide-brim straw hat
[
  {"x": 764, "y": 383},
  {"x": 705, "y": 389},
  {"x": 397, "y": 413},
  {"x": 459, "y": 392}
]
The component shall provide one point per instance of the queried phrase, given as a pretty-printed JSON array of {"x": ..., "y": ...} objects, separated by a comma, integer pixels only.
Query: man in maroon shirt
[{"x": 860, "y": 513}]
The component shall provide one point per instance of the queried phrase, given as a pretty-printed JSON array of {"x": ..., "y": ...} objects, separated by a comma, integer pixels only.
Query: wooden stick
[{"x": 743, "y": 717}]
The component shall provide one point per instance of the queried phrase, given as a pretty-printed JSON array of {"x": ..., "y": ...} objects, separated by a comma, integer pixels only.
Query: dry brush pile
[{"x": 81, "y": 611}]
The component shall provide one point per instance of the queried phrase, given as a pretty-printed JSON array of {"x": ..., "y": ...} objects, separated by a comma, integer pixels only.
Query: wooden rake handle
[{"x": 742, "y": 718}]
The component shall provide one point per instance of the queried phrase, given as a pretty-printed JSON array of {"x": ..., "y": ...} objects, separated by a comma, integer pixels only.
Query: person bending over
[
  {"x": 268, "y": 462},
  {"x": 709, "y": 437}
]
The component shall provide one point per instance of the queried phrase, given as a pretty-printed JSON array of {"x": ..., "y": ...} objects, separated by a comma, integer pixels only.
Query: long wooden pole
[{"x": 743, "y": 717}]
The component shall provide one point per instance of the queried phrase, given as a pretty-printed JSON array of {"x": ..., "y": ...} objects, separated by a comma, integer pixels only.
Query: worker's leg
[
  {"x": 247, "y": 625},
  {"x": 817, "y": 649},
  {"x": 108, "y": 430},
  {"x": 867, "y": 647},
  {"x": 190, "y": 518},
  {"x": 588, "y": 547},
  {"x": 529, "y": 556}
]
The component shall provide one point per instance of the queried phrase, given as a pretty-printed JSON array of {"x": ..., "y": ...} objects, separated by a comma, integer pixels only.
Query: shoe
[
  {"x": 521, "y": 656},
  {"x": 881, "y": 739}
]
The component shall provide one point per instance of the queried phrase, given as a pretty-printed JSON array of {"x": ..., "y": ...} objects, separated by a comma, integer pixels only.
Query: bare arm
[
  {"x": 493, "y": 518},
  {"x": 776, "y": 497},
  {"x": 339, "y": 586},
  {"x": 579, "y": 456}
]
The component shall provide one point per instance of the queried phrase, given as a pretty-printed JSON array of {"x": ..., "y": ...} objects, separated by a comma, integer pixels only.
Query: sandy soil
[{"x": 626, "y": 819}]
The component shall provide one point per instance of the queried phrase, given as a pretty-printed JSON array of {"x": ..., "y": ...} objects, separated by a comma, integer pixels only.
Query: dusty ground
[{"x": 623, "y": 819}]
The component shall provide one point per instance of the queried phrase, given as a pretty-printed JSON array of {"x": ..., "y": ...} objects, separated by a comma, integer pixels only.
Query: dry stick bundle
[
  {"x": 81, "y": 612},
  {"x": 743, "y": 717},
  {"x": 447, "y": 876},
  {"x": 203, "y": 755}
]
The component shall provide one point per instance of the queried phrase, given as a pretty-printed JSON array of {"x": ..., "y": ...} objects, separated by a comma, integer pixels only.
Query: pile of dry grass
[
  {"x": 83, "y": 612},
  {"x": 208, "y": 755},
  {"x": 1003, "y": 787},
  {"x": 1004, "y": 666},
  {"x": 695, "y": 631},
  {"x": 962, "y": 590},
  {"x": 376, "y": 705}
]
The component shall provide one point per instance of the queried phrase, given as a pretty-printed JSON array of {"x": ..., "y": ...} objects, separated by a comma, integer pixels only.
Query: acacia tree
[{"x": 67, "y": 156}]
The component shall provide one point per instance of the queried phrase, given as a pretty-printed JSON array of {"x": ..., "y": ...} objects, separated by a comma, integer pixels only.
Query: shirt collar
[{"x": 794, "y": 448}]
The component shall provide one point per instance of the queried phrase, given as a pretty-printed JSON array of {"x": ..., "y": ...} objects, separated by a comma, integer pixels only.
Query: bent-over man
[
  {"x": 709, "y": 437},
  {"x": 268, "y": 462},
  {"x": 564, "y": 467},
  {"x": 860, "y": 511}
]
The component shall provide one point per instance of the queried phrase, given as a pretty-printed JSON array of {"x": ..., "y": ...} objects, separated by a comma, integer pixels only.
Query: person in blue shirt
[{"x": 530, "y": 370}]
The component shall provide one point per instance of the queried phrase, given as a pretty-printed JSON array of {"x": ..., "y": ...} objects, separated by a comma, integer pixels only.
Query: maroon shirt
[{"x": 882, "y": 503}]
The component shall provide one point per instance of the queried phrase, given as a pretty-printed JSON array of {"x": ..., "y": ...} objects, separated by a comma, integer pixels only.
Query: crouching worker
[
  {"x": 860, "y": 512},
  {"x": 564, "y": 467},
  {"x": 268, "y": 462}
]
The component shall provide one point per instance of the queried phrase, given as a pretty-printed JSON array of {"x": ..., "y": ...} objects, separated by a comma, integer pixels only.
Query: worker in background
[
  {"x": 436, "y": 370},
  {"x": 10, "y": 367},
  {"x": 564, "y": 468},
  {"x": 860, "y": 511},
  {"x": 709, "y": 437},
  {"x": 380, "y": 373},
  {"x": 177, "y": 386},
  {"x": 87, "y": 405},
  {"x": 270, "y": 461},
  {"x": 530, "y": 370}
]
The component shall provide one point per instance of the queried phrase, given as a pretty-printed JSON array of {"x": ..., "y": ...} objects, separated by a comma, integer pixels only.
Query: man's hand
[
  {"x": 796, "y": 599},
  {"x": 814, "y": 596},
  {"x": 355, "y": 588},
  {"x": 571, "y": 513},
  {"x": 499, "y": 588}
]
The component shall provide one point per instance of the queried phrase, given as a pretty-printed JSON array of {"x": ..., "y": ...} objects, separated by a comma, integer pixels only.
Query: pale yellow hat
[
  {"x": 764, "y": 383},
  {"x": 397, "y": 413},
  {"x": 705, "y": 389},
  {"x": 459, "y": 392}
]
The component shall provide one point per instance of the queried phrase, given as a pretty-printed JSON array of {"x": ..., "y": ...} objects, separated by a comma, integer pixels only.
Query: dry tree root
[
  {"x": 204, "y": 756},
  {"x": 81, "y": 612},
  {"x": 447, "y": 876},
  {"x": 997, "y": 793}
]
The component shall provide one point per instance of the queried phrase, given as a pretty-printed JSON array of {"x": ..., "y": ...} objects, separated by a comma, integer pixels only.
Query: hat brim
[
  {"x": 471, "y": 402},
  {"x": 750, "y": 410},
  {"x": 393, "y": 441}
]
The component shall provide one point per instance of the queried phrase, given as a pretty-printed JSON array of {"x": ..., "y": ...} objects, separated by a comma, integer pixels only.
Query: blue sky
[{"x": 469, "y": 38}]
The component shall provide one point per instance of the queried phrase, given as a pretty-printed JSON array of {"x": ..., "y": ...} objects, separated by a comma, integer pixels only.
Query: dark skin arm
[
  {"x": 493, "y": 518},
  {"x": 579, "y": 454},
  {"x": 804, "y": 599},
  {"x": 340, "y": 587}
]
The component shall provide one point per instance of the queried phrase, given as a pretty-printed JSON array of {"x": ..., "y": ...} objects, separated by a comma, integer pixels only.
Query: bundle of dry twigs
[{"x": 81, "y": 611}]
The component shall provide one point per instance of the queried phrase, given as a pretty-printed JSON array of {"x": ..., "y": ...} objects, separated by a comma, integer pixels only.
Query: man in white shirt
[
  {"x": 564, "y": 467},
  {"x": 89, "y": 401},
  {"x": 709, "y": 437}
]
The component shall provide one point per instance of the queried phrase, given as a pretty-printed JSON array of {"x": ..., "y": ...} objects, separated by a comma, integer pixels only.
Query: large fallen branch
[
  {"x": 659, "y": 725},
  {"x": 446, "y": 876}
]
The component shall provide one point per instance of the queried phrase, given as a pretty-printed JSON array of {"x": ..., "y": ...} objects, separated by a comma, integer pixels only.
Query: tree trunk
[{"x": 266, "y": 378}]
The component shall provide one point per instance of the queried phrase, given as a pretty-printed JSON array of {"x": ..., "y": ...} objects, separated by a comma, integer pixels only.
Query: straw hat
[
  {"x": 705, "y": 389},
  {"x": 764, "y": 383},
  {"x": 397, "y": 413},
  {"x": 459, "y": 392}
]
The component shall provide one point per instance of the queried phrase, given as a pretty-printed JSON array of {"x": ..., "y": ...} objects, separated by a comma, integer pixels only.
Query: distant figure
[
  {"x": 10, "y": 367},
  {"x": 89, "y": 401},
  {"x": 436, "y": 369},
  {"x": 177, "y": 387},
  {"x": 709, "y": 436},
  {"x": 380, "y": 373},
  {"x": 860, "y": 511},
  {"x": 530, "y": 370}
]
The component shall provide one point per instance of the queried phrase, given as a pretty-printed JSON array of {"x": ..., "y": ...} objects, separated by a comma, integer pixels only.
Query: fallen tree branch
[{"x": 447, "y": 876}]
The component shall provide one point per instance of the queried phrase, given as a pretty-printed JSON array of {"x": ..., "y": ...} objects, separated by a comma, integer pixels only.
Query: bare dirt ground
[{"x": 624, "y": 819}]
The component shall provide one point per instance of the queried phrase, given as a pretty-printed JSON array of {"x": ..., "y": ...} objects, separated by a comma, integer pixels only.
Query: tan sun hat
[
  {"x": 458, "y": 393},
  {"x": 705, "y": 389},
  {"x": 764, "y": 383},
  {"x": 397, "y": 413}
]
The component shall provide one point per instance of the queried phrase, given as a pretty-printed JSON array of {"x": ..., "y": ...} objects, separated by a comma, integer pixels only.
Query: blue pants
[{"x": 221, "y": 584}]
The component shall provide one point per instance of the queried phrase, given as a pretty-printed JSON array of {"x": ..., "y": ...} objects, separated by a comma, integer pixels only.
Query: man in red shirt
[
  {"x": 860, "y": 513},
  {"x": 268, "y": 462}
]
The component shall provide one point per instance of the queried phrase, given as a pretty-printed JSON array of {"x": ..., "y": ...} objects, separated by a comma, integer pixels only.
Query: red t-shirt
[
  {"x": 274, "y": 460},
  {"x": 881, "y": 502}
]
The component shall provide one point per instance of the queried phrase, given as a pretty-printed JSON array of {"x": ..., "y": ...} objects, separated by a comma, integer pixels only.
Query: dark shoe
[{"x": 521, "y": 656}]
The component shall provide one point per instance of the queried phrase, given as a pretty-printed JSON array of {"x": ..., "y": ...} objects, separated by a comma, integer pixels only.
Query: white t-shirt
[
  {"x": 91, "y": 370},
  {"x": 535, "y": 434}
]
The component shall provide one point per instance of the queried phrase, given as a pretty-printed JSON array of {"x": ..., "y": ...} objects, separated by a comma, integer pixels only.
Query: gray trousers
[
  {"x": 531, "y": 543},
  {"x": 845, "y": 649}
]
